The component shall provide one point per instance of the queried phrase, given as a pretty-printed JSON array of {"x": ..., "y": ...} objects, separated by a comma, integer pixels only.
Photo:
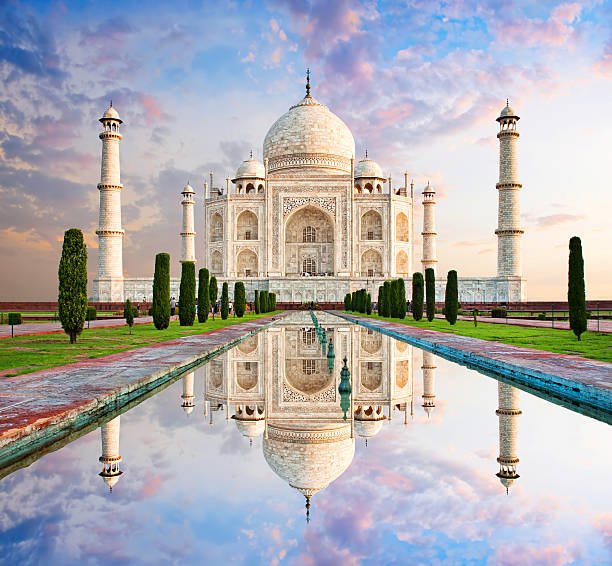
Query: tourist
[{"x": 172, "y": 306}]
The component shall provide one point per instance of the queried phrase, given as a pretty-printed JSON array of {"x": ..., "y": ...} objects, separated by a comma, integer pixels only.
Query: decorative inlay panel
[{"x": 326, "y": 203}]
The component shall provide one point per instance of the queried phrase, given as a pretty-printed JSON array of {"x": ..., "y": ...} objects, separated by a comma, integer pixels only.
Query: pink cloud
[
  {"x": 555, "y": 555},
  {"x": 545, "y": 222},
  {"x": 603, "y": 67},
  {"x": 152, "y": 111}
]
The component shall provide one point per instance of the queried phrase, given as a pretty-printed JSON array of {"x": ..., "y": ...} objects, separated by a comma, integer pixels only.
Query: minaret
[
  {"x": 109, "y": 284},
  {"x": 509, "y": 211},
  {"x": 508, "y": 413},
  {"x": 110, "y": 452},
  {"x": 429, "y": 376},
  {"x": 188, "y": 231},
  {"x": 188, "y": 395},
  {"x": 429, "y": 234}
]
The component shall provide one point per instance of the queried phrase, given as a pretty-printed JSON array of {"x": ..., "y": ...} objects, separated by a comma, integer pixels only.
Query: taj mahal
[{"x": 310, "y": 223}]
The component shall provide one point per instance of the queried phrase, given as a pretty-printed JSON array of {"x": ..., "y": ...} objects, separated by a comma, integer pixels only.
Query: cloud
[
  {"x": 545, "y": 222},
  {"x": 603, "y": 67}
]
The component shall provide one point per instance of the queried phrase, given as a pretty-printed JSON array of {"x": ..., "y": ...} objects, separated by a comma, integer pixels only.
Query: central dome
[{"x": 309, "y": 135}]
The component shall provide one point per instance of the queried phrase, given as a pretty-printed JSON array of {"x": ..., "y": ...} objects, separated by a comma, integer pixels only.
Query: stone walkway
[
  {"x": 32, "y": 328},
  {"x": 605, "y": 326},
  {"x": 571, "y": 377},
  {"x": 37, "y": 407}
]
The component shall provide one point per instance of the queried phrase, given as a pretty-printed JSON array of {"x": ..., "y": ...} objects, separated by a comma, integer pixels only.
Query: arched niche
[
  {"x": 216, "y": 228},
  {"x": 247, "y": 226},
  {"x": 246, "y": 375},
  {"x": 402, "y": 373},
  {"x": 402, "y": 228},
  {"x": 308, "y": 375},
  {"x": 401, "y": 263},
  {"x": 371, "y": 264},
  {"x": 248, "y": 345},
  {"x": 371, "y": 342},
  {"x": 371, "y": 226},
  {"x": 309, "y": 241},
  {"x": 371, "y": 375},
  {"x": 246, "y": 263},
  {"x": 216, "y": 263}
]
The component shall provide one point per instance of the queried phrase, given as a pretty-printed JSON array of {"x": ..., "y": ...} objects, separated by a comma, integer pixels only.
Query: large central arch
[{"x": 309, "y": 242}]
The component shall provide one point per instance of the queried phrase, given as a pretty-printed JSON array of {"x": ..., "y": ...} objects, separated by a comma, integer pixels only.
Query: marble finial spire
[{"x": 307, "y": 82}]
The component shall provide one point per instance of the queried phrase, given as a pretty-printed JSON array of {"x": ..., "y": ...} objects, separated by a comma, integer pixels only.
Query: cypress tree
[
  {"x": 368, "y": 303},
  {"x": 72, "y": 276},
  {"x": 224, "y": 301},
  {"x": 257, "y": 305},
  {"x": 576, "y": 294},
  {"x": 272, "y": 301},
  {"x": 417, "y": 296},
  {"x": 187, "y": 294},
  {"x": 402, "y": 298},
  {"x": 396, "y": 298},
  {"x": 213, "y": 292},
  {"x": 203, "y": 296},
  {"x": 451, "y": 297},
  {"x": 388, "y": 298},
  {"x": 128, "y": 314},
  {"x": 161, "y": 291},
  {"x": 430, "y": 293},
  {"x": 263, "y": 301},
  {"x": 379, "y": 299},
  {"x": 239, "y": 299},
  {"x": 347, "y": 302},
  {"x": 354, "y": 301}
]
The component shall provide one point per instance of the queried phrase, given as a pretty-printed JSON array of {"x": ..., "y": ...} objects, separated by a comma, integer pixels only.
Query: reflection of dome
[
  {"x": 111, "y": 480},
  {"x": 251, "y": 429},
  {"x": 251, "y": 169},
  {"x": 305, "y": 129},
  {"x": 368, "y": 168},
  {"x": 188, "y": 409},
  {"x": 368, "y": 429},
  {"x": 309, "y": 456},
  {"x": 111, "y": 113},
  {"x": 428, "y": 409}
]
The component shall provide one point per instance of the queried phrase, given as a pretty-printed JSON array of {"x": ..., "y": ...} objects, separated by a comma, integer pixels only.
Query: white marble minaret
[
  {"x": 508, "y": 414},
  {"x": 108, "y": 286},
  {"x": 509, "y": 210},
  {"x": 188, "y": 396},
  {"x": 430, "y": 256},
  {"x": 110, "y": 452},
  {"x": 188, "y": 231},
  {"x": 429, "y": 377}
]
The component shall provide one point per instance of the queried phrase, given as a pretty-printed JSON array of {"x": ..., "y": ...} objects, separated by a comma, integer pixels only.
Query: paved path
[
  {"x": 37, "y": 407},
  {"x": 604, "y": 325},
  {"x": 571, "y": 377},
  {"x": 56, "y": 327}
]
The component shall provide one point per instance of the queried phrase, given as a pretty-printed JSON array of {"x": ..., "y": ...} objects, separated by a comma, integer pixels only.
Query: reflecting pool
[{"x": 249, "y": 459}]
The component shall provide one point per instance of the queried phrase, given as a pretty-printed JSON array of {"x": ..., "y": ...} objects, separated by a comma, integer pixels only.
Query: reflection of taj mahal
[{"x": 310, "y": 223}]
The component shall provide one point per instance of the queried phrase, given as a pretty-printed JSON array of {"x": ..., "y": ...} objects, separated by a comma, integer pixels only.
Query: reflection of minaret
[
  {"x": 188, "y": 395},
  {"x": 508, "y": 413},
  {"x": 429, "y": 375},
  {"x": 110, "y": 453}
]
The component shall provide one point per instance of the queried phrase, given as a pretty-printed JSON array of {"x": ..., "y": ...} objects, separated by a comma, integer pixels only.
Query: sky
[{"x": 198, "y": 84}]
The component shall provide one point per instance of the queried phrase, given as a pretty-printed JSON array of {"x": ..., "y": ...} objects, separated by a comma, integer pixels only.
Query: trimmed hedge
[
  {"x": 430, "y": 293},
  {"x": 224, "y": 301},
  {"x": 203, "y": 295},
  {"x": 417, "y": 295},
  {"x": 499, "y": 312},
  {"x": 239, "y": 299},
  {"x": 92, "y": 313},
  {"x": 14, "y": 318},
  {"x": 213, "y": 292},
  {"x": 257, "y": 305},
  {"x": 161, "y": 291},
  {"x": 187, "y": 294}
]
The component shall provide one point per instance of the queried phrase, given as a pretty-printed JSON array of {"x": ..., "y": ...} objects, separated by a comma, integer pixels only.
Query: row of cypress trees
[
  {"x": 264, "y": 301},
  {"x": 358, "y": 301},
  {"x": 392, "y": 299},
  {"x": 451, "y": 299}
]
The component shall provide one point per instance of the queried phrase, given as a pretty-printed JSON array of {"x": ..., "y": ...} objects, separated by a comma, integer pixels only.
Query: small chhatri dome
[
  {"x": 507, "y": 112},
  {"x": 111, "y": 113},
  {"x": 251, "y": 169},
  {"x": 188, "y": 189},
  {"x": 368, "y": 168}
]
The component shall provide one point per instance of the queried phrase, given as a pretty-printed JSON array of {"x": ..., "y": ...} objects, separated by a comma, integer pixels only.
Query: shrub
[
  {"x": 135, "y": 311},
  {"x": 379, "y": 299},
  {"x": 91, "y": 313},
  {"x": 72, "y": 275},
  {"x": 498, "y": 312},
  {"x": 430, "y": 293},
  {"x": 239, "y": 299},
  {"x": 257, "y": 303},
  {"x": 263, "y": 301},
  {"x": 14, "y": 318},
  {"x": 354, "y": 301},
  {"x": 417, "y": 296},
  {"x": 388, "y": 296},
  {"x": 402, "y": 297},
  {"x": 203, "y": 296},
  {"x": 347, "y": 302},
  {"x": 224, "y": 301},
  {"x": 213, "y": 291},
  {"x": 161, "y": 291},
  {"x": 273, "y": 301},
  {"x": 475, "y": 314},
  {"x": 542, "y": 316},
  {"x": 187, "y": 294},
  {"x": 128, "y": 314},
  {"x": 575, "y": 288},
  {"x": 369, "y": 303},
  {"x": 150, "y": 311},
  {"x": 451, "y": 297}
]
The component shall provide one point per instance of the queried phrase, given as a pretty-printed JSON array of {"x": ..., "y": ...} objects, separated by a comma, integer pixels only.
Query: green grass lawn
[
  {"x": 594, "y": 345},
  {"x": 26, "y": 354}
]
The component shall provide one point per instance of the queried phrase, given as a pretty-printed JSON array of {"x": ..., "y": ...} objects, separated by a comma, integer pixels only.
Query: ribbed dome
[
  {"x": 251, "y": 168},
  {"x": 309, "y": 456},
  {"x": 368, "y": 168},
  {"x": 309, "y": 135},
  {"x": 111, "y": 113}
]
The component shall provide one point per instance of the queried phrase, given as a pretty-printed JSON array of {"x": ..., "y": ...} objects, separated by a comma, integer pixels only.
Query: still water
[{"x": 248, "y": 460}]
